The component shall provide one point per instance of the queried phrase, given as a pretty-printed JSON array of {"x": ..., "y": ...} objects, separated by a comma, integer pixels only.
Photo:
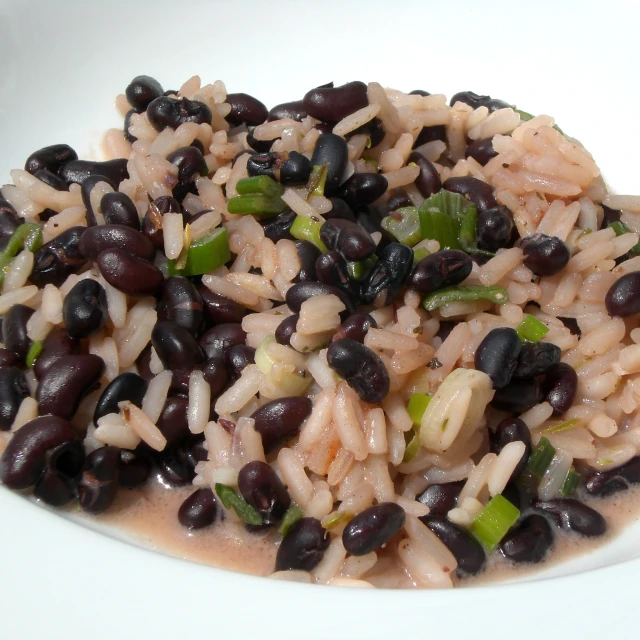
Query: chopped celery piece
[
  {"x": 621, "y": 228},
  {"x": 265, "y": 185},
  {"x": 438, "y": 299},
  {"x": 439, "y": 226},
  {"x": 418, "y": 403},
  {"x": 293, "y": 514},
  {"x": 360, "y": 270},
  {"x": 304, "y": 228},
  {"x": 412, "y": 439},
  {"x": 256, "y": 204},
  {"x": 540, "y": 458},
  {"x": 204, "y": 255},
  {"x": 493, "y": 522},
  {"x": 334, "y": 520},
  {"x": 531, "y": 329},
  {"x": 420, "y": 253},
  {"x": 232, "y": 500},
  {"x": 317, "y": 180},
  {"x": 404, "y": 225},
  {"x": 26, "y": 236},
  {"x": 35, "y": 349},
  {"x": 570, "y": 483},
  {"x": 563, "y": 426}
]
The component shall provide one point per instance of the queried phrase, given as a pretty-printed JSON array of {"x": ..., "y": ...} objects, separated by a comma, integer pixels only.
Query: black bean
[
  {"x": 332, "y": 104},
  {"x": 238, "y": 357},
  {"x": 466, "y": 549},
  {"x": 372, "y": 528},
  {"x": 428, "y": 181},
  {"x": 198, "y": 510},
  {"x": 286, "y": 329},
  {"x": 302, "y": 291},
  {"x": 481, "y": 150},
  {"x": 545, "y": 255},
  {"x": 260, "y": 146},
  {"x": 606, "y": 483},
  {"x": 57, "y": 344},
  {"x": 85, "y": 309},
  {"x": 9, "y": 220},
  {"x": 474, "y": 100},
  {"x": 370, "y": 219},
  {"x": 572, "y": 515},
  {"x": 340, "y": 209},
  {"x": 280, "y": 419},
  {"x": 363, "y": 188},
  {"x": 14, "y": 329},
  {"x": 293, "y": 110},
  {"x": 127, "y": 386},
  {"x": 518, "y": 396},
  {"x": 373, "y": 129},
  {"x": 219, "y": 309},
  {"x": 172, "y": 112},
  {"x": 86, "y": 190},
  {"x": 419, "y": 92},
  {"x": 99, "y": 482},
  {"x": 13, "y": 390},
  {"x": 623, "y": 297},
  {"x": 512, "y": 430},
  {"x": 79, "y": 170},
  {"x": 537, "y": 359},
  {"x": 66, "y": 382},
  {"x": 141, "y": 91},
  {"x": 218, "y": 340},
  {"x": 173, "y": 421},
  {"x": 331, "y": 150},
  {"x": 494, "y": 228},
  {"x": 362, "y": 369},
  {"x": 265, "y": 164},
  {"x": 441, "y": 498},
  {"x": 194, "y": 450},
  {"x": 152, "y": 220},
  {"x": 128, "y": 273},
  {"x": 331, "y": 269},
  {"x": 295, "y": 170},
  {"x": 173, "y": 470},
  {"x": 57, "y": 485},
  {"x": 279, "y": 227},
  {"x": 55, "y": 261},
  {"x": 609, "y": 216},
  {"x": 51, "y": 179},
  {"x": 497, "y": 355},
  {"x": 389, "y": 274},
  {"x": 572, "y": 325},
  {"x": 125, "y": 126},
  {"x": 473, "y": 189},
  {"x": 308, "y": 254},
  {"x": 245, "y": 109},
  {"x": 8, "y": 358},
  {"x": 215, "y": 373},
  {"x": 176, "y": 347},
  {"x": 52, "y": 158},
  {"x": 261, "y": 487},
  {"x": 529, "y": 541},
  {"x": 559, "y": 387},
  {"x": 441, "y": 269},
  {"x": 355, "y": 327},
  {"x": 25, "y": 457},
  {"x": 190, "y": 162},
  {"x": 53, "y": 489},
  {"x": 118, "y": 209},
  {"x": 303, "y": 547},
  {"x": 134, "y": 469},
  {"x": 430, "y": 134},
  {"x": 398, "y": 198},
  {"x": 183, "y": 303}
]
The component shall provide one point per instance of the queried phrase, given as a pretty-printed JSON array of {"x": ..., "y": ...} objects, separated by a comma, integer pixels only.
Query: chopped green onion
[
  {"x": 439, "y": 226},
  {"x": 531, "y": 329},
  {"x": 317, "y": 180},
  {"x": 570, "y": 483},
  {"x": 359, "y": 270},
  {"x": 26, "y": 236},
  {"x": 412, "y": 439},
  {"x": 291, "y": 384},
  {"x": 563, "y": 426},
  {"x": 451, "y": 204},
  {"x": 181, "y": 260},
  {"x": 265, "y": 185},
  {"x": 583, "y": 234},
  {"x": 621, "y": 228},
  {"x": 35, "y": 349},
  {"x": 471, "y": 293},
  {"x": 540, "y": 458},
  {"x": 418, "y": 403},
  {"x": 467, "y": 234},
  {"x": 420, "y": 253},
  {"x": 293, "y": 514},
  {"x": 493, "y": 522},
  {"x": 335, "y": 519},
  {"x": 256, "y": 204},
  {"x": 231, "y": 500},
  {"x": 304, "y": 228},
  {"x": 404, "y": 225},
  {"x": 204, "y": 255}
]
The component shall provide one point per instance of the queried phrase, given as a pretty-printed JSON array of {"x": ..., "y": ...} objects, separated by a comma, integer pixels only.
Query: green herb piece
[
  {"x": 304, "y": 228},
  {"x": 26, "y": 236},
  {"x": 418, "y": 403},
  {"x": 412, "y": 440},
  {"x": 35, "y": 349},
  {"x": 204, "y": 255},
  {"x": 493, "y": 522},
  {"x": 540, "y": 458},
  {"x": 256, "y": 204},
  {"x": 404, "y": 225},
  {"x": 293, "y": 514},
  {"x": 265, "y": 185},
  {"x": 334, "y": 520},
  {"x": 439, "y": 226},
  {"x": 317, "y": 179},
  {"x": 359, "y": 270},
  {"x": 471, "y": 293},
  {"x": 451, "y": 204},
  {"x": 563, "y": 426},
  {"x": 420, "y": 253},
  {"x": 531, "y": 329},
  {"x": 621, "y": 228},
  {"x": 467, "y": 234},
  {"x": 231, "y": 500},
  {"x": 570, "y": 483}
]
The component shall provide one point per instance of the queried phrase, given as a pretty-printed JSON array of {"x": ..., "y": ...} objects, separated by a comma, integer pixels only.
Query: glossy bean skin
[
  {"x": 441, "y": 498},
  {"x": 57, "y": 344},
  {"x": 8, "y": 358},
  {"x": 363, "y": 188},
  {"x": 173, "y": 421},
  {"x": 238, "y": 357},
  {"x": 84, "y": 309},
  {"x": 190, "y": 162},
  {"x": 572, "y": 515},
  {"x": 259, "y": 146},
  {"x": 481, "y": 150},
  {"x": 362, "y": 369},
  {"x": 118, "y": 209},
  {"x": 66, "y": 382},
  {"x": 545, "y": 255},
  {"x": 25, "y": 457},
  {"x": 51, "y": 158},
  {"x": 295, "y": 170},
  {"x": 302, "y": 291},
  {"x": 99, "y": 482},
  {"x": 477, "y": 191},
  {"x": 494, "y": 228},
  {"x": 176, "y": 347},
  {"x": 216, "y": 375},
  {"x": 308, "y": 255},
  {"x": 198, "y": 510},
  {"x": 13, "y": 390},
  {"x": 429, "y": 134},
  {"x": 529, "y": 541},
  {"x": 183, "y": 303},
  {"x": 280, "y": 419},
  {"x": 14, "y": 329},
  {"x": 293, "y": 110},
  {"x": 331, "y": 150},
  {"x": 128, "y": 273},
  {"x": 441, "y": 269},
  {"x": 218, "y": 340},
  {"x": 165, "y": 111},
  {"x": 518, "y": 396},
  {"x": 134, "y": 469},
  {"x": 173, "y": 469},
  {"x": 497, "y": 355},
  {"x": 559, "y": 387},
  {"x": 97, "y": 239},
  {"x": 265, "y": 164},
  {"x": 537, "y": 359},
  {"x": 623, "y": 297},
  {"x": 141, "y": 91},
  {"x": 56, "y": 260},
  {"x": 606, "y": 483},
  {"x": 474, "y": 100},
  {"x": 466, "y": 549},
  {"x": 389, "y": 274},
  {"x": 372, "y": 528},
  {"x": 57, "y": 485},
  {"x": 79, "y": 170},
  {"x": 54, "y": 181},
  {"x": 428, "y": 181},
  {"x": 303, "y": 547},
  {"x": 9, "y": 220},
  {"x": 512, "y": 430},
  {"x": 331, "y": 269},
  {"x": 355, "y": 327},
  {"x": 398, "y": 198},
  {"x": 279, "y": 227},
  {"x": 332, "y": 104},
  {"x": 286, "y": 329},
  {"x": 219, "y": 309},
  {"x": 340, "y": 209},
  {"x": 351, "y": 241},
  {"x": 261, "y": 487},
  {"x": 86, "y": 188},
  {"x": 125, "y": 127},
  {"x": 245, "y": 109},
  {"x": 127, "y": 386}
]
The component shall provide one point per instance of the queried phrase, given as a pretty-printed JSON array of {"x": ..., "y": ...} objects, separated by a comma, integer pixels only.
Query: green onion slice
[
  {"x": 412, "y": 440},
  {"x": 334, "y": 520},
  {"x": 493, "y": 522},
  {"x": 540, "y": 458},
  {"x": 563, "y": 426},
  {"x": 204, "y": 255},
  {"x": 304, "y": 228},
  {"x": 293, "y": 514},
  {"x": 317, "y": 179},
  {"x": 35, "y": 349},
  {"x": 418, "y": 403},
  {"x": 531, "y": 329},
  {"x": 256, "y": 204},
  {"x": 360, "y": 270},
  {"x": 232, "y": 500},
  {"x": 26, "y": 236},
  {"x": 439, "y": 226},
  {"x": 419, "y": 254},
  {"x": 471, "y": 293},
  {"x": 265, "y": 185},
  {"x": 404, "y": 225},
  {"x": 570, "y": 483},
  {"x": 467, "y": 235}
]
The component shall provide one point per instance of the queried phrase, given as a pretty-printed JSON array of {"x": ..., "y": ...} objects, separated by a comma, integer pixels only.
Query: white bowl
[{"x": 62, "y": 65}]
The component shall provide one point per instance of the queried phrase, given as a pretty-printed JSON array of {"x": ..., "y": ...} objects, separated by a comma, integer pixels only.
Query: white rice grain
[
  {"x": 347, "y": 426},
  {"x": 17, "y": 296},
  {"x": 199, "y": 401},
  {"x": 236, "y": 396},
  {"x": 156, "y": 395},
  {"x": 138, "y": 421},
  {"x": 293, "y": 473},
  {"x": 18, "y": 272}
]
